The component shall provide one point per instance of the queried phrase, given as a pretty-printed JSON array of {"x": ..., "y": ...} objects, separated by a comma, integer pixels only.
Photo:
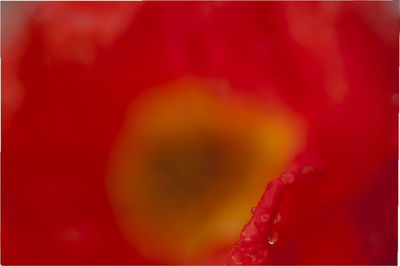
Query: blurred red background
[{"x": 324, "y": 75}]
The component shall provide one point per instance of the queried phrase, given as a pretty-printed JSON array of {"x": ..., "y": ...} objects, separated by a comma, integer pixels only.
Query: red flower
[{"x": 143, "y": 133}]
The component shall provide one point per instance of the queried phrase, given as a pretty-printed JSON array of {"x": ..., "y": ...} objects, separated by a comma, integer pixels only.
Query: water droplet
[
  {"x": 287, "y": 178},
  {"x": 246, "y": 237},
  {"x": 264, "y": 217},
  {"x": 254, "y": 259},
  {"x": 253, "y": 210},
  {"x": 278, "y": 218},
  {"x": 236, "y": 259},
  {"x": 307, "y": 170},
  {"x": 272, "y": 237},
  {"x": 260, "y": 257}
]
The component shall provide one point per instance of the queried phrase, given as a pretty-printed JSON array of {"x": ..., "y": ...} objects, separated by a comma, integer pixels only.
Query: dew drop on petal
[
  {"x": 272, "y": 237},
  {"x": 254, "y": 259},
  {"x": 264, "y": 217},
  {"x": 307, "y": 170},
  {"x": 246, "y": 237},
  {"x": 253, "y": 210},
  {"x": 278, "y": 218},
  {"x": 236, "y": 259},
  {"x": 259, "y": 257},
  {"x": 287, "y": 178}
]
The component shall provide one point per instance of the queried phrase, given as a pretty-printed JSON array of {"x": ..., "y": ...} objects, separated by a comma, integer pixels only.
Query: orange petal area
[{"x": 189, "y": 164}]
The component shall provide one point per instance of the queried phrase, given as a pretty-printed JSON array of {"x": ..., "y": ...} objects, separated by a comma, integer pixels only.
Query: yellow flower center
[{"x": 190, "y": 163}]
